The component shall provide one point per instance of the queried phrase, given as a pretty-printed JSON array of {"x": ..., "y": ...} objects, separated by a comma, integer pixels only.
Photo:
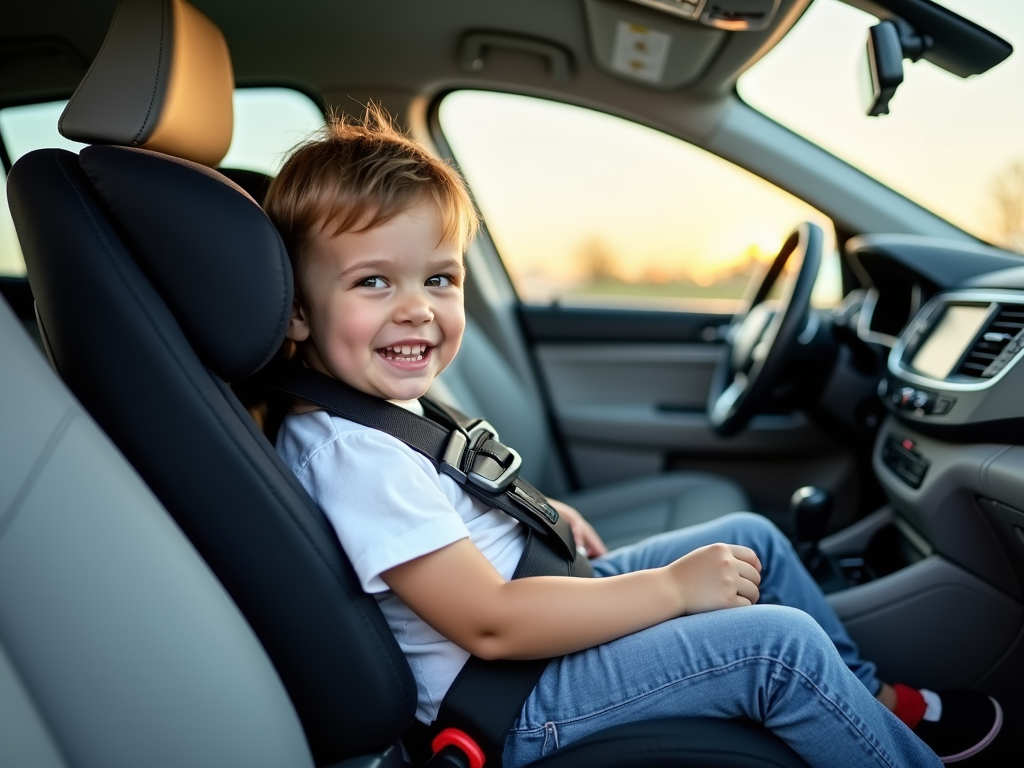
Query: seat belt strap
[
  {"x": 486, "y": 696},
  {"x": 485, "y": 469}
]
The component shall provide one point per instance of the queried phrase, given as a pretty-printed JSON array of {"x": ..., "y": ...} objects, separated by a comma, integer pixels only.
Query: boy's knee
[
  {"x": 791, "y": 629},
  {"x": 755, "y": 527}
]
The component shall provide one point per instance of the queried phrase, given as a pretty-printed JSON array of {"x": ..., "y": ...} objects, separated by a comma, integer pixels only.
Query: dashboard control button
[
  {"x": 943, "y": 405},
  {"x": 908, "y": 464},
  {"x": 883, "y": 387},
  {"x": 902, "y": 396},
  {"x": 922, "y": 401}
]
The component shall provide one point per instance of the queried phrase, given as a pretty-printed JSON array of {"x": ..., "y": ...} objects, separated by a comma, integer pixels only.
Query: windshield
[{"x": 955, "y": 146}]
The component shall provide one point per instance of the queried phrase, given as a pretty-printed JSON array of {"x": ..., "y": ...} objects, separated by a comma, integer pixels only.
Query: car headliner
[{"x": 338, "y": 51}]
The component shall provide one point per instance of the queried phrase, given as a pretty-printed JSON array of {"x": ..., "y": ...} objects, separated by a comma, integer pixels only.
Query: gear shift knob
[{"x": 811, "y": 508}]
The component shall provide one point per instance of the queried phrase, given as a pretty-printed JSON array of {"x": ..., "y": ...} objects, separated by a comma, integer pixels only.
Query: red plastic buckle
[{"x": 453, "y": 737}]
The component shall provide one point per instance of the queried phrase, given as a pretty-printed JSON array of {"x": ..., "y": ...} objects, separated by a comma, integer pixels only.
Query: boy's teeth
[{"x": 415, "y": 351}]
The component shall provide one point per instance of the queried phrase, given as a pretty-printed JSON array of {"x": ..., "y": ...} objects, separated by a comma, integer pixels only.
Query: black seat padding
[
  {"x": 672, "y": 743},
  {"x": 254, "y": 183},
  {"x": 160, "y": 284}
]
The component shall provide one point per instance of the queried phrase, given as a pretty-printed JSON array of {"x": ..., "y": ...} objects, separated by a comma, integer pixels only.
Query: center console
[{"x": 946, "y": 557}]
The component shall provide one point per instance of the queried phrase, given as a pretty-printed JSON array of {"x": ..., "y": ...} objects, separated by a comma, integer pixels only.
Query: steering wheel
[{"x": 761, "y": 335}]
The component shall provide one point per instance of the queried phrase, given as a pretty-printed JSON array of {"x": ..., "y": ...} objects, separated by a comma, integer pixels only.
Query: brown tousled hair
[{"x": 354, "y": 175}]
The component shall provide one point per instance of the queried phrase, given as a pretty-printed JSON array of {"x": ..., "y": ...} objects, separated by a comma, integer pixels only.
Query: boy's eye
[
  {"x": 373, "y": 282},
  {"x": 438, "y": 281}
]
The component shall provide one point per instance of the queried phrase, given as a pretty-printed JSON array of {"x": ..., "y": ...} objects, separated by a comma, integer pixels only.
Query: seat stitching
[
  {"x": 8, "y": 515},
  {"x": 286, "y": 312},
  {"x": 159, "y": 64}
]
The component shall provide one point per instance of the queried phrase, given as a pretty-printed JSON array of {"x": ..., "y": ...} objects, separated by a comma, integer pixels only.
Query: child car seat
[{"x": 160, "y": 284}]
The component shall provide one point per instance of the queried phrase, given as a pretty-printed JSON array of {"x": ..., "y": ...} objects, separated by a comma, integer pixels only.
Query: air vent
[{"x": 1001, "y": 340}]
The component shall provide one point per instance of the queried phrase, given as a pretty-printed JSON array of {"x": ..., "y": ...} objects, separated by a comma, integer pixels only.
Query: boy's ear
[{"x": 298, "y": 323}]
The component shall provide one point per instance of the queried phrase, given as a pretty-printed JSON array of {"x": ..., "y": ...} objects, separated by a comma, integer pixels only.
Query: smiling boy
[
  {"x": 376, "y": 229},
  {"x": 383, "y": 306}
]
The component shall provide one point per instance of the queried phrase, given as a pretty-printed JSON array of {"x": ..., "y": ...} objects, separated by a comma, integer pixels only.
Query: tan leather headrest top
[{"x": 161, "y": 81}]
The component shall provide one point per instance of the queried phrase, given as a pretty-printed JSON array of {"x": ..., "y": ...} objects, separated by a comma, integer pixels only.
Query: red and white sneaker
[{"x": 957, "y": 725}]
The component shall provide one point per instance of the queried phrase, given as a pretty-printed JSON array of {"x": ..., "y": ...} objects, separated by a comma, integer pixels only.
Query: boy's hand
[
  {"x": 717, "y": 576},
  {"x": 583, "y": 531}
]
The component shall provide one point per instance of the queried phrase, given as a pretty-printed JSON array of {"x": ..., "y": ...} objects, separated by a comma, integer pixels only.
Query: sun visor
[
  {"x": 162, "y": 81},
  {"x": 209, "y": 249}
]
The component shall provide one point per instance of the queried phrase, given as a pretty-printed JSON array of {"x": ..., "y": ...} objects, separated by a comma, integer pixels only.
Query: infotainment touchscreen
[{"x": 948, "y": 340}]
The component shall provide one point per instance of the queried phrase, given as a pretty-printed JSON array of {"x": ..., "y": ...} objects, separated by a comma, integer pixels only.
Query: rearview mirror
[
  {"x": 889, "y": 42},
  {"x": 882, "y": 72}
]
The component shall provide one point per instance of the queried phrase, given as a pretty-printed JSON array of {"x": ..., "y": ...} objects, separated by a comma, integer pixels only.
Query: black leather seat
[
  {"x": 158, "y": 282},
  {"x": 255, "y": 184}
]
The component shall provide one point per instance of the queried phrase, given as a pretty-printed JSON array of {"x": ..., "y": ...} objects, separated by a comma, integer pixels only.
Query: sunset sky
[{"x": 552, "y": 179}]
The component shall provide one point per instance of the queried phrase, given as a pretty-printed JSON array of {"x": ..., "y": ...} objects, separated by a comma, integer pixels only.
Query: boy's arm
[{"x": 459, "y": 593}]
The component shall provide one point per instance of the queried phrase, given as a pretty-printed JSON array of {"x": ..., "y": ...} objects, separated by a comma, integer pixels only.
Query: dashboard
[
  {"x": 950, "y": 452},
  {"x": 953, "y": 317}
]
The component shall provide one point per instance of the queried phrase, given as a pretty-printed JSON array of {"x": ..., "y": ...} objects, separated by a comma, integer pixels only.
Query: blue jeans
[{"x": 786, "y": 662}]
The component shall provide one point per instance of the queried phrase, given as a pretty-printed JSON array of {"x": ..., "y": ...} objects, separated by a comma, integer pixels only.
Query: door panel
[
  {"x": 665, "y": 377},
  {"x": 632, "y": 407}
]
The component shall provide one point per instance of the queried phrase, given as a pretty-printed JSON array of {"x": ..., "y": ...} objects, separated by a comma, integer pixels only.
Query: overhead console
[{"x": 734, "y": 15}]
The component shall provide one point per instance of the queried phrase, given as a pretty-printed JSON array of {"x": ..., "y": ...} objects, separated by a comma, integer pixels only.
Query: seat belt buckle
[
  {"x": 494, "y": 465},
  {"x": 451, "y": 744}
]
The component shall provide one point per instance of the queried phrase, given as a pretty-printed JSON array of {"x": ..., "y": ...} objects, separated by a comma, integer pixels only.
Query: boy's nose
[{"x": 414, "y": 308}]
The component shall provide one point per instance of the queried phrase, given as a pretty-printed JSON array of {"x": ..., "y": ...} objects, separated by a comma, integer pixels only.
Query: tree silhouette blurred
[
  {"x": 1008, "y": 191},
  {"x": 596, "y": 260}
]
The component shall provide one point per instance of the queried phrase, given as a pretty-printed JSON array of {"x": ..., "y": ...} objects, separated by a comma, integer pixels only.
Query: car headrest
[
  {"x": 208, "y": 248},
  {"x": 161, "y": 81}
]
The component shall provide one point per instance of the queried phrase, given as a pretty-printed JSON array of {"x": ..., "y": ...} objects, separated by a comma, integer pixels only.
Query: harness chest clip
[
  {"x": 492, "y": 466},
  {"x": 476, "y": 457}
]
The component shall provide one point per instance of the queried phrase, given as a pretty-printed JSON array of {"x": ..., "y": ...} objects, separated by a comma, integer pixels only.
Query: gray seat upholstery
[
  {"x": 118, "y": 647},
  {"x": 628, "y": 511},
  {"x": 481, "y": 382}
]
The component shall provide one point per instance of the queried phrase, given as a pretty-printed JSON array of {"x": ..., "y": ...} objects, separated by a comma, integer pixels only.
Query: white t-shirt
[{"x": 388, "y": 506}]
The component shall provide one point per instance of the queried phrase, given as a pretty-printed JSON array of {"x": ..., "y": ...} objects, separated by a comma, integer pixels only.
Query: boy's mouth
[{"x": 405, "y": 353}]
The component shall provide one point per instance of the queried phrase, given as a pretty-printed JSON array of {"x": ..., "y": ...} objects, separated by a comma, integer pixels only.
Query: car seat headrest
[
  {"x": 207, "y": 247},
  {"x": 161, "y": 81}
]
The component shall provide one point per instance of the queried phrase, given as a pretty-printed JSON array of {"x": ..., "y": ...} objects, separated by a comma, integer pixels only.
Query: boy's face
[{"x": 382, "y": 308}]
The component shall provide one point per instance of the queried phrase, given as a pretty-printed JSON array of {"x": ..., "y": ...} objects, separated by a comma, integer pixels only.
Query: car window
[
  {"x": 268, "y": 122},
  {"x": 588, "y": 208}
]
